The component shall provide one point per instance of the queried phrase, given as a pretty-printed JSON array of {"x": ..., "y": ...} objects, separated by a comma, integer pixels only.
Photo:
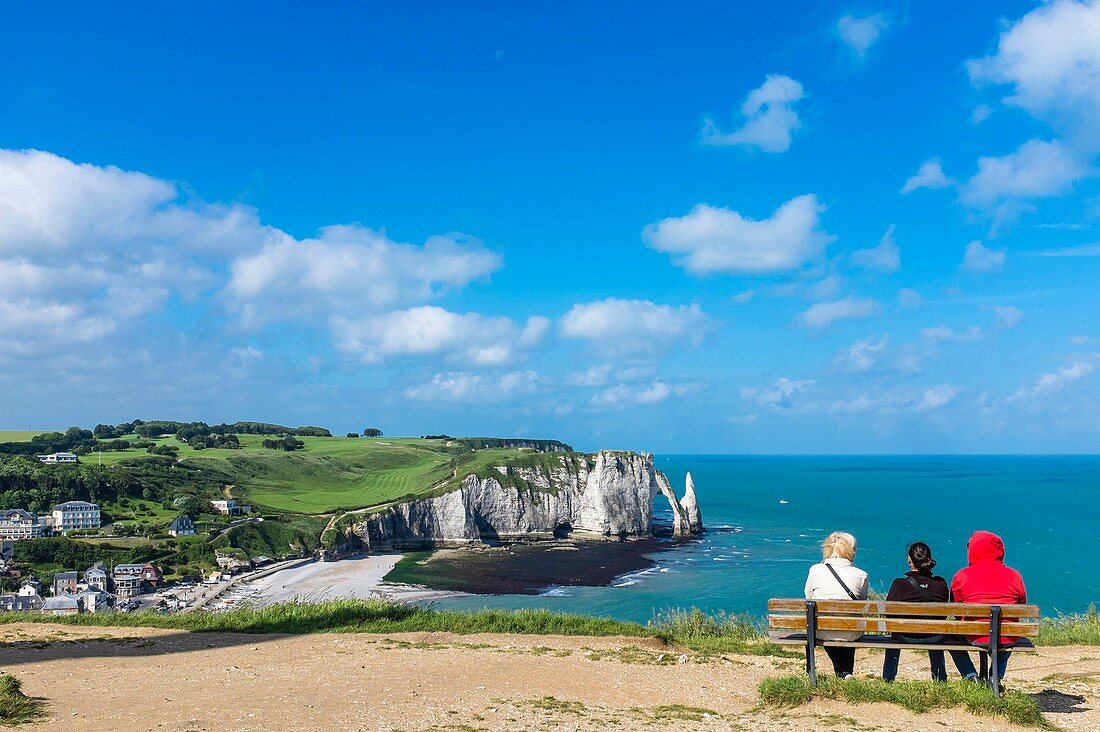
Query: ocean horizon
[{"x": 766, "y": 515}]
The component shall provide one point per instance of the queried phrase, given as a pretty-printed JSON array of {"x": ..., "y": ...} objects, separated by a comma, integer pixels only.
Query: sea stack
[{"x": 690, "y": 504}]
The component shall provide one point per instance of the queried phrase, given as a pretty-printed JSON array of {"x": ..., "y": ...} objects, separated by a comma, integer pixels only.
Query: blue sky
[{"x": 735, "y": 227}]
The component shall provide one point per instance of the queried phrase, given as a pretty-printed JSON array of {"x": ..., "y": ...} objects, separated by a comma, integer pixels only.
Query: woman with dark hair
[{"x": 918, "y": 585}]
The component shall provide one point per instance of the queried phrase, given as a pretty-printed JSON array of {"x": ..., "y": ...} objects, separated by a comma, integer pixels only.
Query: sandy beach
[{"x": 356, "y": 577}]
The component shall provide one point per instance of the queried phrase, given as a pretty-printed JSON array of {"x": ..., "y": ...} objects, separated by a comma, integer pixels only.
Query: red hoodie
[{"x": 988, "y": 580}]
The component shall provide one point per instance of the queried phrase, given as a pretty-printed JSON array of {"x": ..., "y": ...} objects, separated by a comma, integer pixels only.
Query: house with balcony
[
  {"x": 96, "y": 577},
  {"x": 15, "y": 524},
  {"x": 230, "y": 507},
  {"x": 73, "y": 515},
  {"x": 128, "y": 580}
]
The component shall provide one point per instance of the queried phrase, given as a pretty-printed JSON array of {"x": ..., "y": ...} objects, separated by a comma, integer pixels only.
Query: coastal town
[{"x": 100, "y": 587}]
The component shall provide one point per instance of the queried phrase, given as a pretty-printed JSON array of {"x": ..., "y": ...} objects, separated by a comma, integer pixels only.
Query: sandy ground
[
  {"x": 100, "y": 678},
  {"x": 359, "y": 577}
]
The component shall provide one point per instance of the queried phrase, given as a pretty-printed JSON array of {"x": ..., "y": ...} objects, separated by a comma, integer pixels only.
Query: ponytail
[{"x": 921, "y": 556}]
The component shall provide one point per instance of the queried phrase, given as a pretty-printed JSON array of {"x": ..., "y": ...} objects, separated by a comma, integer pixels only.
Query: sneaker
[
  {"x": 973, "y": 678},
  {"x": 847, "y": 677}
]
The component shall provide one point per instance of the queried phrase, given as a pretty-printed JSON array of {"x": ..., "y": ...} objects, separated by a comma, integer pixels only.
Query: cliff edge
[{"x": 605, "y": 494}]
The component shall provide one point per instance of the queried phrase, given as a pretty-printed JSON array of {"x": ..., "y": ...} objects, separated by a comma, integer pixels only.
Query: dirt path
[{"x": 100, "y": 678}]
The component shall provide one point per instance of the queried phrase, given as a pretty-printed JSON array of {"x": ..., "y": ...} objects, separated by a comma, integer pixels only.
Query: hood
[{"x": 985, "y": 546}]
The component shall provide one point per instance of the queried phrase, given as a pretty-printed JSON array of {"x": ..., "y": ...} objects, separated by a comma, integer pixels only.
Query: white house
[
  {"x": 16, "y": 523},
  {"x": 75, "y": 515},
  {"x": 230, "y": 507},
  {"x": 57, "y": 457}
]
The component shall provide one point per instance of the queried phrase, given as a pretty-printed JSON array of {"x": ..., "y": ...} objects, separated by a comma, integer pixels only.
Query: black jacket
[{"x": 903, "y": 589}]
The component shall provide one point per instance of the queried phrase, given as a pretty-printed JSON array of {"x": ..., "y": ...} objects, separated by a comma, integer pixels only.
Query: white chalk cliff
[{"x": 607, "y": 494}]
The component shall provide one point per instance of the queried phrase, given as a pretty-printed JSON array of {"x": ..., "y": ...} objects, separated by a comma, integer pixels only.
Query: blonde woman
[{"x": 837, "y": 578}]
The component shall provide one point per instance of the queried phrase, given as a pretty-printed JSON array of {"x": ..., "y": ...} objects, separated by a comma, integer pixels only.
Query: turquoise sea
[{"x": 1047, "y": 509}]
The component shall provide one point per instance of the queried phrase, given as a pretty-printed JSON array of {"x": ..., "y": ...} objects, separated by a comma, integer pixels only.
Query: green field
[
  {"x": 330, "y": 474},
  {"x": 19, "y": 435}
]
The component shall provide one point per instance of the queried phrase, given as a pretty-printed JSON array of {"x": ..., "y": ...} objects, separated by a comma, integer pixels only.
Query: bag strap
[
  {"x": 920, "y": 588},
  {"x": 851, "y": 594}
]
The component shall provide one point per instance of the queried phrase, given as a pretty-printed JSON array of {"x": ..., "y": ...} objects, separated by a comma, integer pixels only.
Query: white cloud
[
  {"x": 711, "y": 240},
  {"x": 863, "y": 355},
  {"x": 1055, "y": 381},
  {"x": 979, "y": 258},
  {"x": 860, "y": 33},
  {"x": 1038, "y": 169},
  {"x": 1051, "y": 58},
  {"x": 769, "y": 117},
  {"x": 622, "y": 396},
  {"x": 981, "y": 113},
  {"x": 465, "y": 387},
  {"x": 886, "y": 257},
  {"x": 909, "y": 298},
  {"x": 780, "y": 395},
  {"x": 633, "y": 327},
  {"x": 786, "y": 396},
  {"x": 348, "y": 268},
  {"x": 1006, "y": 317},
  {"x": 940, "y": 333},
  {"x": 743, "y": 297},
  {"x": 432, "y": 331},
  {"x": 824, "y": 314},
  {"x": 1083, "y": 340},
  {"x": 929, "y": 175}
]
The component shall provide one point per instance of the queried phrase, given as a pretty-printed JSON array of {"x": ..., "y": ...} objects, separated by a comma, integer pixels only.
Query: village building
[
  {"x": 55, "y": 458},
  {"x": 20, "y": 602},
  {"x": 75, "y": 515},
  {"x": 64, "y": 583},
  {"x": 15, "y": 524},
  {"x": 61, "y": 605},
  {"x": 128, "y": 581},
  {"x": 230, "y": 507},
  {"x": 181, "y": 526},
  {"x": 96, "y": 577},
  {"x": 94, "y": 601}
]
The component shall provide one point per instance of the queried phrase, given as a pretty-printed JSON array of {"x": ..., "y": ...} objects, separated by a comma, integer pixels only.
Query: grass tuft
[
  {"x": 15, "y": 706},
  {"x": 916, "y": 696},
  {"x": 1082, "y": 629},
  {"x": 714, "y": 633}
]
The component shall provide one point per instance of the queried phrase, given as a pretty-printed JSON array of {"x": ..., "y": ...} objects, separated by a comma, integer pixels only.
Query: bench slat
[
  {"x": 878, "y": 607},
  {"x": 885, "y": 641},
  {"x": 901, "y": 625}
]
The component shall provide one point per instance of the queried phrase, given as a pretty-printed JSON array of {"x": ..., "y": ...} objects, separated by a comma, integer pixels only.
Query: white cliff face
[{"x": 612, "y": 494}]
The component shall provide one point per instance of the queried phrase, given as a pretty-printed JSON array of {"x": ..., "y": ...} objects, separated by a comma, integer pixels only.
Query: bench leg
[
  {"x": 811, "y": 642},
  {"x": 994, "y": 648}
]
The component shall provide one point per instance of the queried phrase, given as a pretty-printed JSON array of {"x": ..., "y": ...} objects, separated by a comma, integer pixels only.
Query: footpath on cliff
[{"x": 141, "y": 678}]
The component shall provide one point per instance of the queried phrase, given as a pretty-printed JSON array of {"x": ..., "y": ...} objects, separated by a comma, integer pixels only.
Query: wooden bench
[{"x": 798, "y": 622}]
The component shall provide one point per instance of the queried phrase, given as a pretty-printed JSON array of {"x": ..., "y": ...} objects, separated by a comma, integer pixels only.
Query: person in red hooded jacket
[{"x": 986, "y": 580}]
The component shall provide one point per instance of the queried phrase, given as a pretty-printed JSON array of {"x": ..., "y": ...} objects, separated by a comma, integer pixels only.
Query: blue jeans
[
  {"x": 966, "y": 666},
  {"x": 935, "y": 659}
]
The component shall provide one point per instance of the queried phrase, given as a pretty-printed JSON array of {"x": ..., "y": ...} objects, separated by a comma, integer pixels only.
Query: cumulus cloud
[
  {"x": 824, "y": 314},
  {"x": 863, "y": 355},
  {"x": 348, "y": 268},
  {"x": 929, "y": 175},
  {"x": 711, "y": 240},
  {"x": 622, "y": 396},
  {"x": 428, "y": 330},
  {"x": 779, "y": 395},
  {"x": 466, "y": 387},
  {"x": 886, "y": 257},
  {"x": 1038, "y": 169},
  {"x": 860, "y": 33},
  {"x": 769, "y": 116},
  {"x": 979, "y": 258},
  {"x": 1055, "y": 381},
  {"x": 87, "y": 251},
  {"x": 909, "y": 298},
  {"x": 633, "y": 327},
  {"x": 1051, "y": 58},
  {"x": 1006, "y": 317}
]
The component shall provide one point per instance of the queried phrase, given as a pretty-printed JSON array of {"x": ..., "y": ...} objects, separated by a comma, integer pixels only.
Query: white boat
[{"x": 782, "y": 501}]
